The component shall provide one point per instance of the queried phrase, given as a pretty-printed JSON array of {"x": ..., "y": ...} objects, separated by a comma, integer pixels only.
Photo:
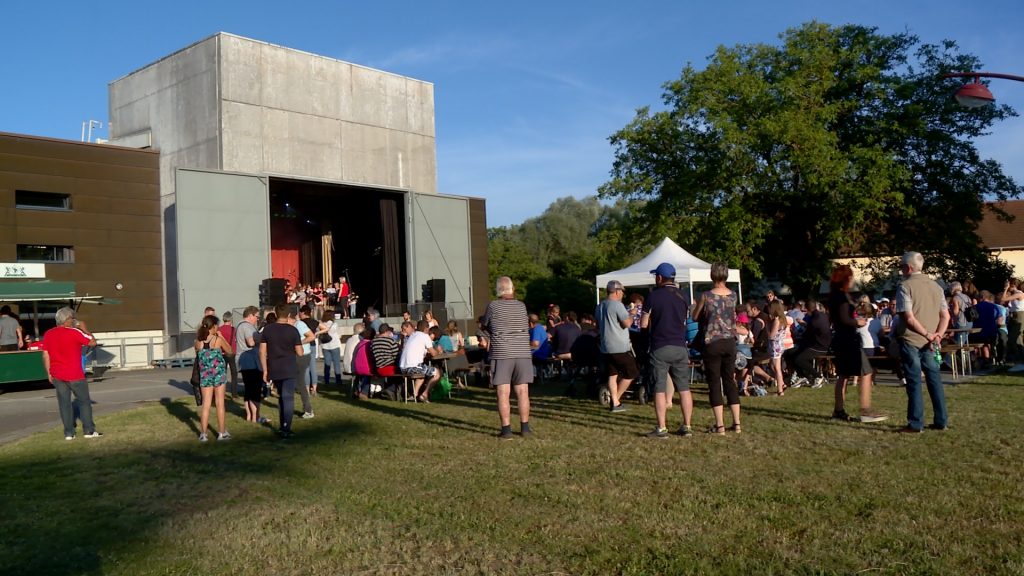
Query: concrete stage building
[{"x": 281, "y": 163}]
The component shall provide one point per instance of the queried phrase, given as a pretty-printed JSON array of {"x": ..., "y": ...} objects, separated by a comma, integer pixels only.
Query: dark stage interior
[{"x": 365, "y": 226}]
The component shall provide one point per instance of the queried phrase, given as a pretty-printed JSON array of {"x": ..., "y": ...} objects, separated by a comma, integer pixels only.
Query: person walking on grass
[
  {"x": 613, "y": 322},
  {"x": 62, "y": 359},
  {"x": 778, "y": 327},
  {"x": 280, "y": 347},
  {"x": 716, "y": 309},
  {"x": 924, "y": 318},
  {"x": 851, "y": 362},
  {"x": 211, "y": 349},
  {"x": 506, "y": 324},
  {"x": 664, "y": 314}
]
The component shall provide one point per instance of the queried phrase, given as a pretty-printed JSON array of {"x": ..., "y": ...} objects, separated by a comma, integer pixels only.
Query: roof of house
[{"x": 997, "y": 234}]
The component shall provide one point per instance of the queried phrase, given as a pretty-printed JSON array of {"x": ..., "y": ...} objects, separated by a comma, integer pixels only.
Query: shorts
[
  {"x": 425, "y": 370},
  {"x": 387, "y": 370},
  {"x": 674, "y": 361},
  {"x": 622, "y": 365},
  {"x": 512, "y": 371},
  {"x": 253, "y": 381}
]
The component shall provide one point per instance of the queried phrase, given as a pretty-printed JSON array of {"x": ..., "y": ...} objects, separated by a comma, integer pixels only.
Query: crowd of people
[{"x": 742, "y": 348}]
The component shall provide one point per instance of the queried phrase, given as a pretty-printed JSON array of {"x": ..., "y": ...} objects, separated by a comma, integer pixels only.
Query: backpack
[{"x": 971, "y": 313}]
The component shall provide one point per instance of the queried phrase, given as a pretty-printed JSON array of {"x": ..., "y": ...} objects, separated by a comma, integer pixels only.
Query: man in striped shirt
[{"x": 507, "y": 326}]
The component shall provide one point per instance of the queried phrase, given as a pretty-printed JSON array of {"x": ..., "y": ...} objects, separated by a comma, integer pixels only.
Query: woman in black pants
[{"x": 717, "y": 311}]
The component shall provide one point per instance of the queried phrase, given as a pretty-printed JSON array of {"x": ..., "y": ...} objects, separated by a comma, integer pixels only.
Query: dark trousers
[
  {"x": 720, "y": 370},
  {"x": 803, "y": 361},
  {"x": 233, "y": 367},
  {"x": 286, "y": 402},
  {"x": 80, "y": 390}
]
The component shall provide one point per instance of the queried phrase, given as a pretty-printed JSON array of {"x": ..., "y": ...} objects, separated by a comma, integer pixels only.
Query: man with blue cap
[{"x": 665, "y": 313}]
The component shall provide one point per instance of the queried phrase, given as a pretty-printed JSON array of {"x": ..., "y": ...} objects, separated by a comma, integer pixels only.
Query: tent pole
[{"x": 691, "y": 291}]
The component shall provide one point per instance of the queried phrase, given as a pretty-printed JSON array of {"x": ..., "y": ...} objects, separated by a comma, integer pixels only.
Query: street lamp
[{"x": 975, "y": 94}]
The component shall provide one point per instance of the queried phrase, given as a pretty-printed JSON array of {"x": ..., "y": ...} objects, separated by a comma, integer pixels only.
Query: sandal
[
  {"x": 735, "y": 428},
  {"x": 720, "y": 430}
]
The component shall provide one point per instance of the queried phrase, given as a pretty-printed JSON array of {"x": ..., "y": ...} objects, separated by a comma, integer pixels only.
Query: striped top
[
  {"x": 385, "y": 351},
  {"x": 508, "y": 329}
]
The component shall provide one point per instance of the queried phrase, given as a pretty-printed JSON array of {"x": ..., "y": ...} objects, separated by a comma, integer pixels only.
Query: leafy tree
[
  {"x": 561, "y": 251},
  {"x": 837, "y": 141}
]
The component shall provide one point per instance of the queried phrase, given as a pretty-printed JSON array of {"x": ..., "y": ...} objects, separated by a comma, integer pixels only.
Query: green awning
[{"x": 38, "y": 291}]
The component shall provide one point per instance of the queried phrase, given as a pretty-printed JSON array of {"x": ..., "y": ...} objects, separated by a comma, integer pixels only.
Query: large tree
[{"x": 836, "y": 141}]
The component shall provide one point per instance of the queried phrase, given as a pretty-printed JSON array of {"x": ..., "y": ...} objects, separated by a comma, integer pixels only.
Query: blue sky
[{"x": 526, "y": 93}]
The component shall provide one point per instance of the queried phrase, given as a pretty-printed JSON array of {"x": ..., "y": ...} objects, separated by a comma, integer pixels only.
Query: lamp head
[{"x": 974, "y": 95}]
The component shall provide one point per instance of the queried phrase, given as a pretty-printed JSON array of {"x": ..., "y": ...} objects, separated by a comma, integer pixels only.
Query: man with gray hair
[
  {"x": 507, "y": 327},
  {"x": 62, "y": 358},
  {"x": 924, "y": 318},
  {"x": 373, "y": 318}
]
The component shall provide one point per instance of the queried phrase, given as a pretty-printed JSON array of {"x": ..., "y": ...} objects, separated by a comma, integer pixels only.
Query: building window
[
  {"x": 40, "y": 253},
  {"x": 26, "y": 199}
]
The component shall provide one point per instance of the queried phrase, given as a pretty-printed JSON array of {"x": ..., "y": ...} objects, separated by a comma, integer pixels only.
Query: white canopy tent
[{"x": 689, "y": 269}]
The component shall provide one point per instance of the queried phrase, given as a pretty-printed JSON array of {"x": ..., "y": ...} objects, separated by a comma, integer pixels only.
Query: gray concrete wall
[
  {"x": 293, "y": 113},
  {"x": 175, "y": 100}
]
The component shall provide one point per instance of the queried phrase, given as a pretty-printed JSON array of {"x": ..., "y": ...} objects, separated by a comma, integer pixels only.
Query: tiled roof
[{"x": 996, "y": 233}]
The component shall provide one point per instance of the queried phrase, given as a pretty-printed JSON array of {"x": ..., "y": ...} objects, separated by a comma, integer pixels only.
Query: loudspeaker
[
  {"x": 433, "y": 290},
  {"x": 272, "y": 291}
]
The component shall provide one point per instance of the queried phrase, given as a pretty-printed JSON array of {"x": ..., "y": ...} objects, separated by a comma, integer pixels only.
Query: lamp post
[{"x": 975, "y": 94}]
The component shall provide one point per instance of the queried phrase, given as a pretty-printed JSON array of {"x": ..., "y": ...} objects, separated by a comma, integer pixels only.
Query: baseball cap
[
  {"x": 665, "y": 270},
  {"x": 614, "y": 285},
  {"x": 883, "y": 299}
]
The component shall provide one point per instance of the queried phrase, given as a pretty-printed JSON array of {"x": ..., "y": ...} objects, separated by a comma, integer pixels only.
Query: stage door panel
[
  {"x": 223, "y": 242},
  {"x": 440, "y": 244}
]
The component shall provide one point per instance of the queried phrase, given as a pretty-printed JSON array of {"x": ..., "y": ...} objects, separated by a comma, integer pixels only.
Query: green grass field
[{"x": 385, "y": 488}]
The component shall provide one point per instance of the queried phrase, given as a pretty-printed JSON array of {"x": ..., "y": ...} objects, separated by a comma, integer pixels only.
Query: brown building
[{"x": 91, "y": 214}]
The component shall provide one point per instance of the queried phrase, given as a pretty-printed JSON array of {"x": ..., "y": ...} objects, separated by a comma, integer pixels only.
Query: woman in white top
[{"x": 330, "y": 344}]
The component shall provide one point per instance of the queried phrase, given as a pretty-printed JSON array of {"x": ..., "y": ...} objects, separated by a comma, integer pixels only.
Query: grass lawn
[{"x": 385, "y": 488}]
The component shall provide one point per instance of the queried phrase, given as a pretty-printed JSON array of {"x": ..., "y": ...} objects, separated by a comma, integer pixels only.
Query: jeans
[
  {"x": 80, "y": 388},
  {"x": 914, "y": 360},
  {"x": 332, "y": 358},
  {"x": 720, "y": 369},
  {"x": 286, "y": 404},
  {"x": 305, "y": 364}
]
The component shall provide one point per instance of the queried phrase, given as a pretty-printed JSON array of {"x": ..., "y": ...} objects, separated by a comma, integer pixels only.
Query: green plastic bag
[{"x": 441, "y": 389}]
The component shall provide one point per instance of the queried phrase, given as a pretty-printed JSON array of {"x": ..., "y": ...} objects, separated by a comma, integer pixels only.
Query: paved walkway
[{"x": 27, "y": 409}]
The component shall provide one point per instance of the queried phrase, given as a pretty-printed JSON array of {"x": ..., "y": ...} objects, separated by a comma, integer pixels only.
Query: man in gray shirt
[
  {"x": 613, "y": 322},
  {"x": 10, "y": 331}
]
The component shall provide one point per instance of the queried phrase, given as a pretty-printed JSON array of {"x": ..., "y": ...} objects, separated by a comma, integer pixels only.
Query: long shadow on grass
[
  {"x": 418, "y": 412},
  {"x": 820, "y": 419},
  {"x": 77, "y": 507},
  {"x": 556, "y": 408}
]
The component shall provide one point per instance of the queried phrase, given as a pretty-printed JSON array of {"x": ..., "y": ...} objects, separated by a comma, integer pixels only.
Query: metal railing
[{"x": 128, "y": 352}]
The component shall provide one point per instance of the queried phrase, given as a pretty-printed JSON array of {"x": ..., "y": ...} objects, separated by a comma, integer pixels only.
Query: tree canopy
[
  {"x": 554, "y": 257},
  {"x": 837, "y": 141}
]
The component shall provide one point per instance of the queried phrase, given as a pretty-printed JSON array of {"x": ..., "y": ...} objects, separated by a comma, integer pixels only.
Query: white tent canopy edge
[{"x": 689, "y": 269}]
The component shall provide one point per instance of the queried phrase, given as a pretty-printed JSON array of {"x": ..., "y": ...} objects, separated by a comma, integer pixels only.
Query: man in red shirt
[{"x": 62, "y": 357}]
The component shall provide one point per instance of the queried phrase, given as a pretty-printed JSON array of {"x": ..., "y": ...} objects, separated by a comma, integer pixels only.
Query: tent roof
[
  {"x": 44, "y": 290},
  {"x": 689, "y": 268},
  {"x": 47, "y": 291}
]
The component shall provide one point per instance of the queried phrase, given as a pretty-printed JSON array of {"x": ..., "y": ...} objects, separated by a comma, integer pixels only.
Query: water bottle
[{"x": 938, "y": 352}]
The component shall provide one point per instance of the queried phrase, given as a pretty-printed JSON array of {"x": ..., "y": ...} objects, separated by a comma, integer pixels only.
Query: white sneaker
[
  {"x": 203, "y": 438},
  {"x": 94, "y": 434},
  {"x": 69, "y": 437},
  {"x": 818, "y": 383},
  {"x": 799, "y": 382},
  {"x": 307, "y": 415},
  {"x": 224, "y": 436}
]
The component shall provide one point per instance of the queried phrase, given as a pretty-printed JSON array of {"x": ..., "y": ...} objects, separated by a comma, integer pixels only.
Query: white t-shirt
[
  {"x": 415, "y": 349},
  {"x": 332, "y": 331}
]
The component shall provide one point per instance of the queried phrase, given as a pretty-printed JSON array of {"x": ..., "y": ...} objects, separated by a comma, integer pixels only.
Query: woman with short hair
[{"x": 716, "y": 310}]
